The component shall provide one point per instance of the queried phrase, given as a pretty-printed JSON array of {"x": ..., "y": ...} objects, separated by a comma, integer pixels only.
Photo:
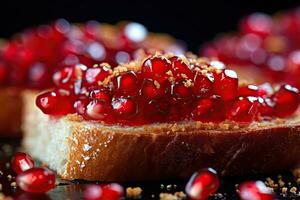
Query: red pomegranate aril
[
  {"x": 126, "y": 84},
  {"x": 80, "y": 105},
  {"x": 203, "y": 84},
  {"x": 202, "y": 184},
  {"x": 286, "y": 100},
  {"x": 248, "y": 90},
  {"x": 156, "y": 68},
  {"x": 55, "y": 103},
  {"x": 97, "y": 74},
  {"x": 243, "y": 110},
  {"x": 257, "y": 23},
  {"x": 226, "y": 84},
  {"x": 180, "y": 69},
  {"x": 157, "y": 109},
  {"x": 203, "y": 106},
  {"x": 97, "y": 110},
  {"x": 266, "y": 107},
  {"x": 112, "y": 191},
  {"x": 36, "y": 180},
  {"x": 182, "y": 90},
  {"x": 101, "y": 94},
  {"x": 22, "y": 162},
  {"x": 66, "y": 77},
  {"x": 255, "y": 190},
  {"x": 152, "y": 89},
  {"x": 124, "y": 107}
]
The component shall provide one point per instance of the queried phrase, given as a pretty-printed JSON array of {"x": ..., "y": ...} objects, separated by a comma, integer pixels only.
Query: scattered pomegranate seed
[
  {"x": 80, "y": 105},
  {"x": 255, "y": 190},
  {"x": 152, "y": 89},
  {"x": 286, "y": 100},
  {"x": 202, "y": 184},
  {"x": 22, "y": 162},
  {"x": 112, "y": 191},
  {"x": 181, "y": 90},
  {"x": 36, "y": 180},
  {"x": 100, "y": 94},
  {"x": 203, "y": 84},
  {"x": 248, "y": 90},
  {"x": 226, "y": 84}
]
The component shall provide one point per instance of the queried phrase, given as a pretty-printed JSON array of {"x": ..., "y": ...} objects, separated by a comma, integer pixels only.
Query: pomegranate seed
[
  {"x": 97, "y": 74},
  {"x": 203, "y": 106},
  {"x": 97, "y": 109},
  {"x": 54, "y": 103},
  {"x": 181, "y": 90},
  {"x": 36, "y": 180},
  {"x": 80, "y": 105},
  {"x": 22, "y": 162},
  {"x": 203, "y": 84},
  {"x": 66, "y": 77},
  {"x": 258, "y": 23},
  {"x": 255, "y": 190},
  {"x": 180, "y": 69},
  {"x": 202, "y": 184},
  {"x": 248, "y": 90},
  {"x": 156, "y": 68},
  {"x": 157, "y": 109},
  {"x": 124, "y": 107},
  {"x": 244, "y": 109},
  {"x": 266, "y": 107},
  {"x": 152, "y": 89},
  {"x": 265, "y": 90},
  {"x": 100, "y": 94},
  {"x": 104, "y": 192},
  {"x": 226, "y": 84},
  {"x": 286, "y": 100},
  {"x": 126, "y": 84}
]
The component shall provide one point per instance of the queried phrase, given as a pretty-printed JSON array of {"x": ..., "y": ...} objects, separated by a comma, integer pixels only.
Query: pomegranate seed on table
[
  {"x": 180, "y": 69},
  {"x": 203, "y": 84},
  {"x": 255, "y": 190},
  {"x": 36, "y": 180},
  {"x": 181, "y": 90},
  {"x": 97, "y": 74},
  {"x": 112, "y": 191},
  {"x": 202, "y": 184},
  {"x": 286, "y": 100},
  {"x": 101, "y": 94},
  {"x": 152, "y": 89},
  {"x": 22, "y": 162},
  {"x": 248, "y": 90}
]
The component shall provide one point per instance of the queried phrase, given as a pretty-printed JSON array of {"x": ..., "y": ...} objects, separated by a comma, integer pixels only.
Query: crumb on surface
[
  {"x": 284, "y": 190},
  {"x": 293, "y": 190},
  {"x": 175, "y": 196},
  {"x": 134, "y": 193},
  {"x": 13, "y": 184}
]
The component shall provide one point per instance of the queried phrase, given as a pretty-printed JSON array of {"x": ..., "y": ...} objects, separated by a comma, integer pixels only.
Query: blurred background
[{"x": 192, "y": 21}]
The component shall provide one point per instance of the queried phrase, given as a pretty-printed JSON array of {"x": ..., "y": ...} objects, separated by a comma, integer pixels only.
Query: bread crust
[
  {"x": 165, "y": 151},
  {"x": 11, "y": 112}
]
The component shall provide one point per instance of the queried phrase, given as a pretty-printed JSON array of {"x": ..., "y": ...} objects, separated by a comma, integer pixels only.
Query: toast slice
[
  {"x": 79, "y": 149},
  {"x": 11, "y": 112}
]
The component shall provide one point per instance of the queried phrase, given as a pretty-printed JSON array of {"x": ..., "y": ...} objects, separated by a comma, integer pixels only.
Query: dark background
[{"x": 192, "y": 21}]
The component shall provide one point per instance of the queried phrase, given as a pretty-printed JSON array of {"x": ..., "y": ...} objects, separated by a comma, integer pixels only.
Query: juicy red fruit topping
[
  {"x": 202, "y": 184},
  {"x": 254, "y": 190},
  {"x": 208, "y": 93},
  {"x": 112, "y": 191},
  {"x": 22, "y": 162},
  {"x": 36, "y": 180}
]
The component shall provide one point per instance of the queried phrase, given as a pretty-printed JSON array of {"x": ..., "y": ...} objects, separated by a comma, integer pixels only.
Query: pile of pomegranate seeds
[
  {"x": 112, "y": 191},
  {"x": 30, "y": 178},
  {"x": 202, "y": 184},
  {"x": 255, "y": 190},
  {"x": 30, "y": 58},
  {"x": 164, "y": 88},
  {"x": 270, "y": 44}
]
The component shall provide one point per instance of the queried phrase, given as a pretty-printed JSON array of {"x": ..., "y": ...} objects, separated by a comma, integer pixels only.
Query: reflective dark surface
[{"x": 151, "y": 190}]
